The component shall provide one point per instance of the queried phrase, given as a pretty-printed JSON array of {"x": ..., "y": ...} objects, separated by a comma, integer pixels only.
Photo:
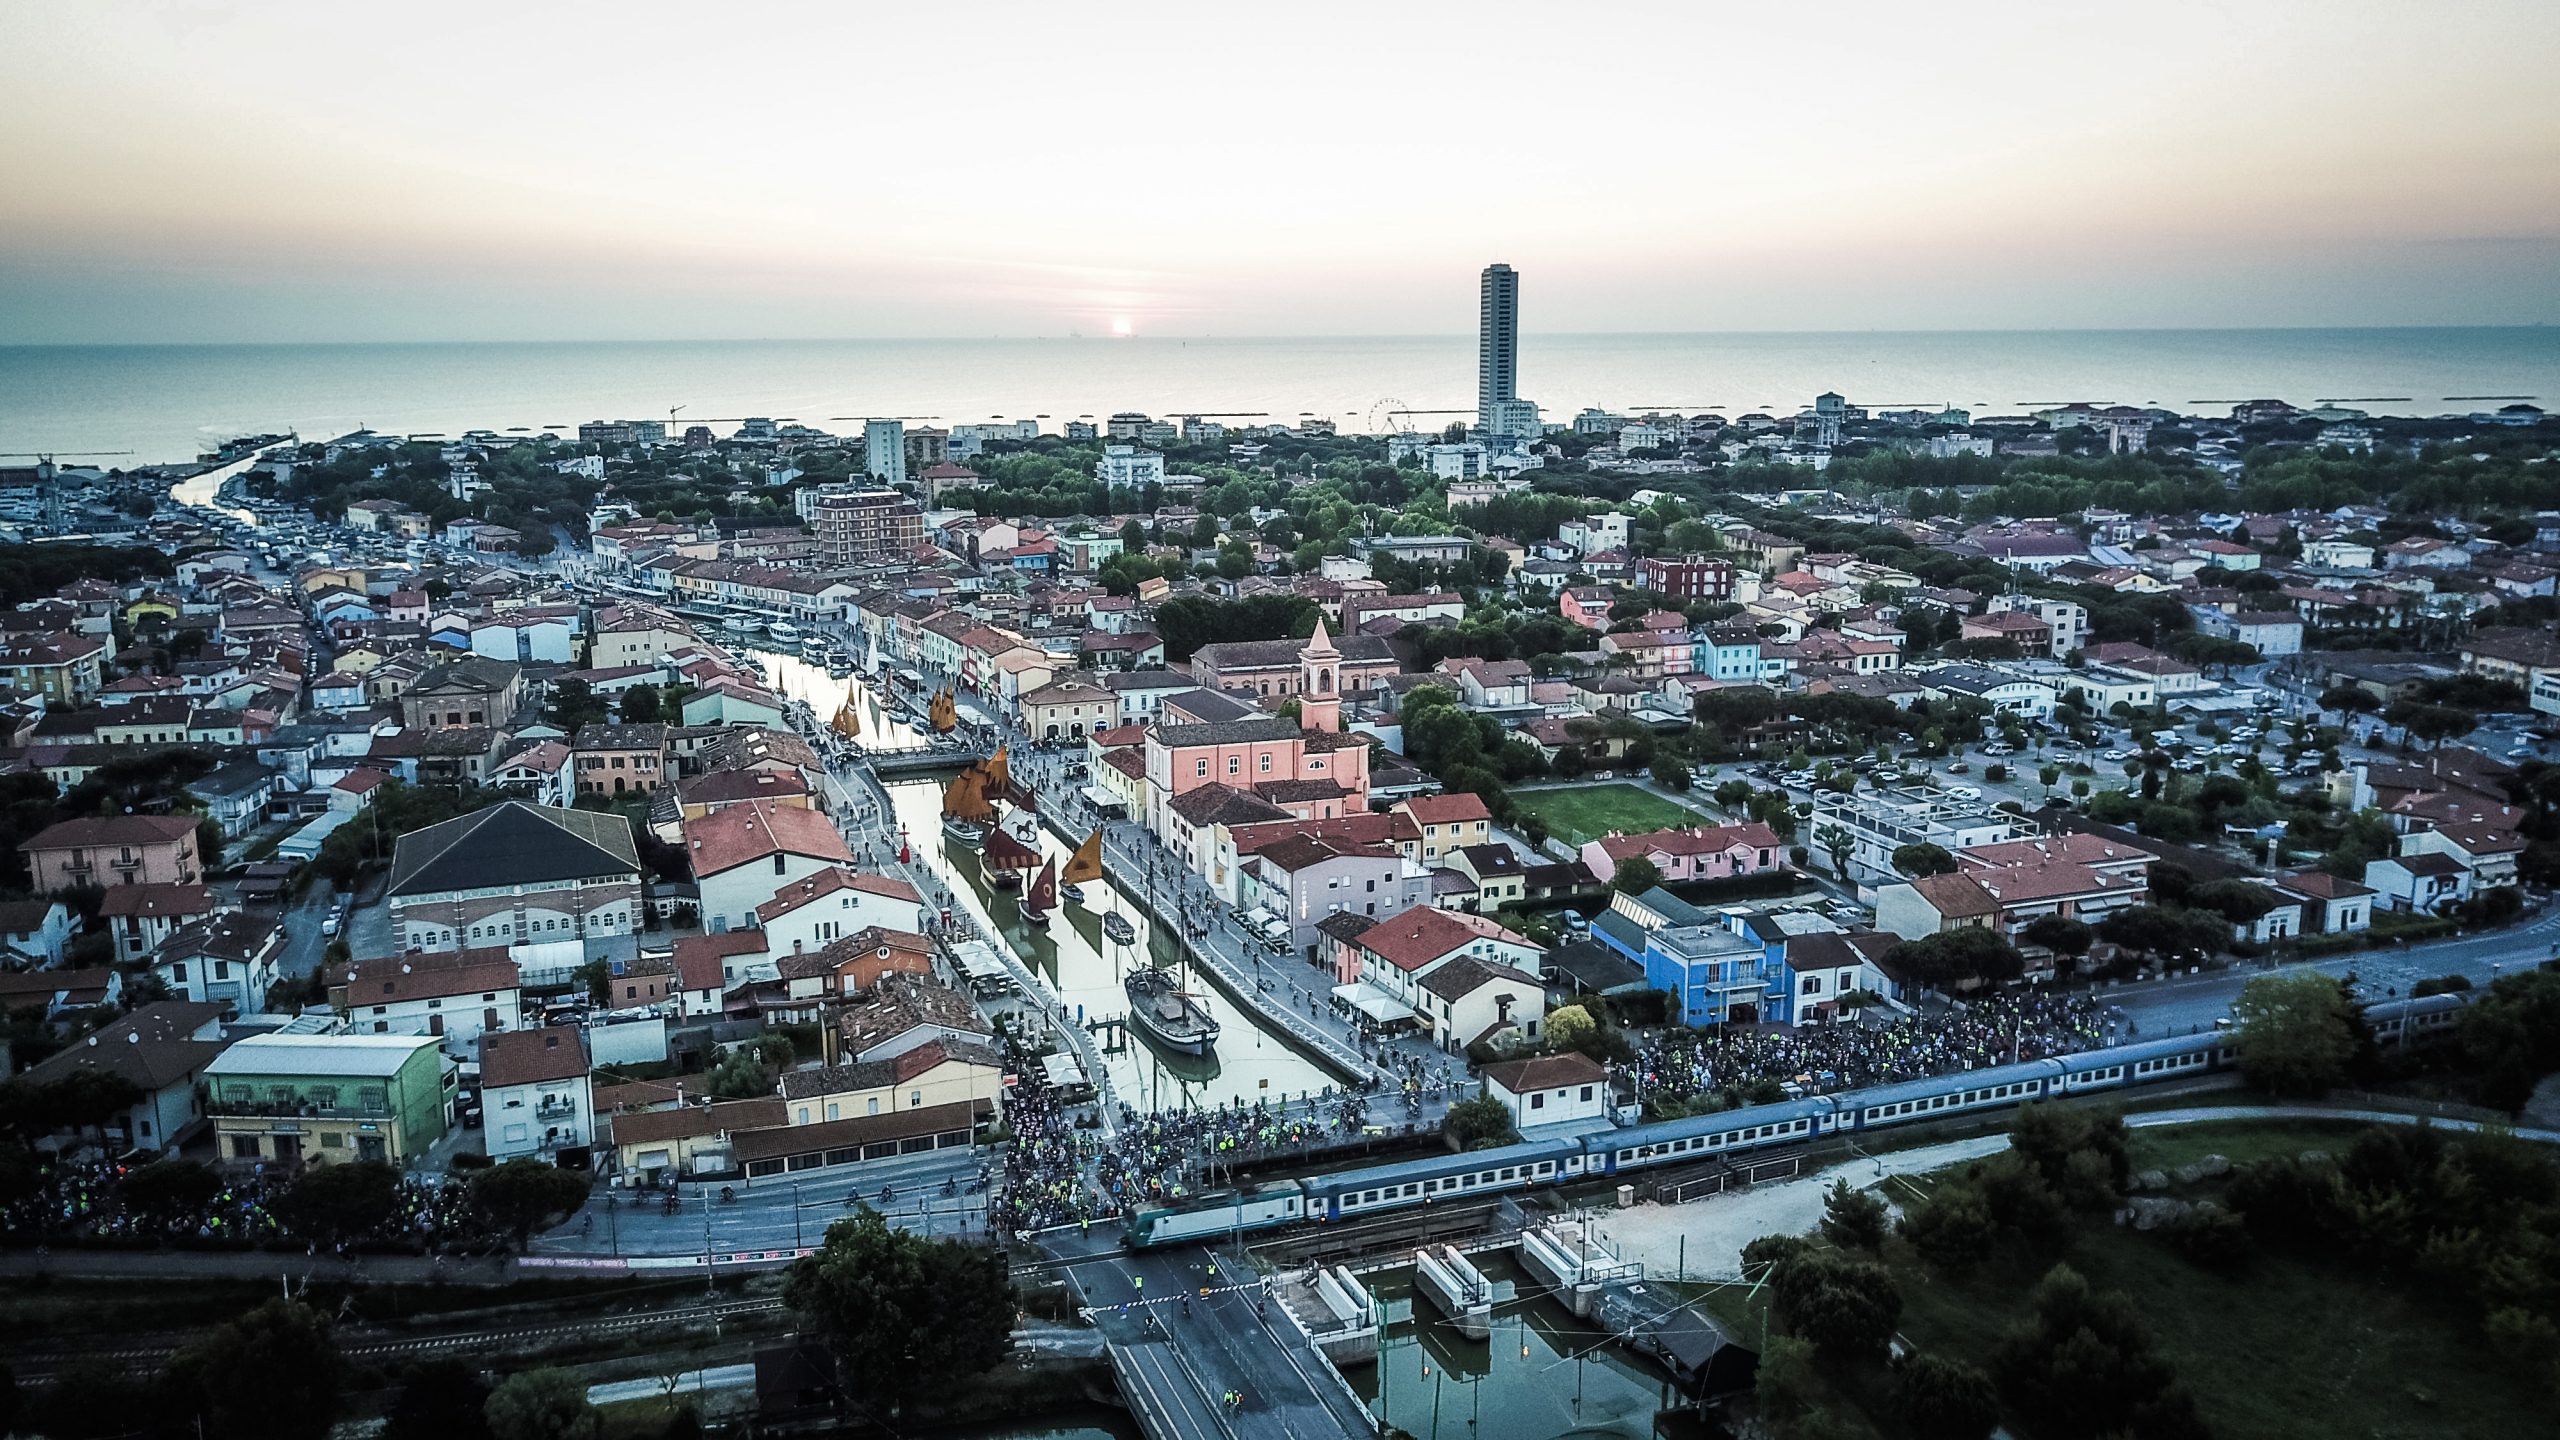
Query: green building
[{"x": 317, "y": 1099}]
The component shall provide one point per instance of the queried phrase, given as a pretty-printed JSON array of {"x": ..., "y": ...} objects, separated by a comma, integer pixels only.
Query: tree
[
  {"x": 1478, "y": 1123},
  {"x": 2297, "y": 1032},
  {"x": 2060, "y": 934},
  {"x": 548, "y": 1404},
  {"x": 2510, "y": 1037},
  {"x": 441, "y": 1399},
  {"x": 1836, "y": 842},
  {"x": 341, "y": 1203},
  {"x": 1965, "y": 956},
  {"x": 2082, "y": 1366},
  {"x": 1853, "y": 1219},
  {"x": 2432, "y": 724},
  {"x": 1923, "y": 858},
  {"x": 274, "y": 1372},
  {"x": 172, "y": 1188},
  {"x": 1945, "y": 1399},
  {"x": 1671, "y": 772},
  {"x": 640, "y": 705},
  {"x": 903, "y": 1315},
  {"x": 1635, "y": 875},
  {"x": 1846, "y": 1307},
  {"x": 2237, "y": 901},
  {"x": 525, "y": 1194},
  {"x": 1570, "y": 1028},
  {"x": 2351, "y": 700},
  {"x": 1953, "y": 1227}
]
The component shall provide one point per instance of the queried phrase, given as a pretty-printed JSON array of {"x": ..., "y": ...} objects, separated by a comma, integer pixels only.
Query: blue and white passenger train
[{"x": 1348, "y": 1194}]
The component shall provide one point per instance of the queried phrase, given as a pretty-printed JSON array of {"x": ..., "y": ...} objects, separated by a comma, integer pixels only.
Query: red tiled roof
[{"x": 736, "y": 835}]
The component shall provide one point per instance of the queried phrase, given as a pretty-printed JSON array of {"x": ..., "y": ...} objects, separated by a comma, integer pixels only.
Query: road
[
  {"x": 777, "y": 1215},
  {"x": 2165, "y": 1007},
  {"x": 1178, "y": 1359}
]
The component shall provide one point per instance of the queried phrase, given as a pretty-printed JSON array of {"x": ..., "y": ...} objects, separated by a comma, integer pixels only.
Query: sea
[{"x": 126, "y": 405}]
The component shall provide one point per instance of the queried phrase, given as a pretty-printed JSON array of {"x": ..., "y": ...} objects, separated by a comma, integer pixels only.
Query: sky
[{"x": 280, "y": 171}]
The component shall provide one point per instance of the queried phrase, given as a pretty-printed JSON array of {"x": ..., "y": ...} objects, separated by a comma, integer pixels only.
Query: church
[{"x": 1239, "y": 772}]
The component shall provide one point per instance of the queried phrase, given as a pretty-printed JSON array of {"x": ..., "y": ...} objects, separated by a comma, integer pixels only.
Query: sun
[{"x": 1120, "y": 326}]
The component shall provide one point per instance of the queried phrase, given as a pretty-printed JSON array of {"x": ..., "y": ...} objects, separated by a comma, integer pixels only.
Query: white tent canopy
[{"x": 1373, "y": 1002}]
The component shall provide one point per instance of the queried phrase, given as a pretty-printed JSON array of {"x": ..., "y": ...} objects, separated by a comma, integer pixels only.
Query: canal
[
  {"x": 799, "y": 680},
  {"x": 1542, "y": 1374},
  {"x": 1248, "y": 1062},
  {"x": 206, "y": 489}
]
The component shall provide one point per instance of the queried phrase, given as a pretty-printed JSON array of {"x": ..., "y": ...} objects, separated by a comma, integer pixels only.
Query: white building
[
  {"x": 810, "y": 914},
  {"x": 884, "y": 451},
  {"x": 1462, "y": 460},
  {"x": 1550, "y": 1089},
  {"x": 456, "y": 995},
  {"x": 1880, "y": 823},
  {"x": 534, "y": 1092},
  {"x": 2070, "y": 622},
  {"x": 1129, "y": 465}
]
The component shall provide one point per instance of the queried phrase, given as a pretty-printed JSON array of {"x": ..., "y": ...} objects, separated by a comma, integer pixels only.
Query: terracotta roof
[
  {"x": 1955, "y": 896},
  {"x": 154, "y": 1047},
  {"x": 414, "y": 976},
  {"x": 2319, "y": 885},
  {"x": 1459, "y": 808},
  {"x": 1546, "y": 1072},
  {"x": 1413, "y": 938},
  {"x": 113, "y": 830},
  {"x": 1704, "y": 840},
  {"x": 698, "y": 957},
  {"x": 738, "y": 834},
  {"x": 859, "y": 1130},
  {"x": 830, "y": 881},
  {"x": 528, "y": 1057},
  {"x": 650, "y": 1127},
  {"x": 2073, "y": 849},
  {"x": 2431, "y": 862},
  {"x": 1467, "y": 974},
  {"x": 149, "y": 902}
]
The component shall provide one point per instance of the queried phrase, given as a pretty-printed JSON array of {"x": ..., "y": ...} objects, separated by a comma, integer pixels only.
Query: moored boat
[
  {"x": 1117, "y": 926},
  {"x": 1175, "y": 1018},
  {"x": 1042, "y": 897}
]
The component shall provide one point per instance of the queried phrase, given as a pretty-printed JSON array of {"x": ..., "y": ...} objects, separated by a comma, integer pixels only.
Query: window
[
  {"x": 1235, "y": 765},
  {"x": 1538, "y": 1101},
  {"x": 1200, "y": 767},
  {"x": 915, "y": 1098},
  {"x": 778, "y": 861}
]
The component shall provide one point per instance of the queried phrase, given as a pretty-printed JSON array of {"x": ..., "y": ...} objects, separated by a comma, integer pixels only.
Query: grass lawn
[
  {"x": 1584, "y": 813},
  {"x": 2239, "y": 1141}
]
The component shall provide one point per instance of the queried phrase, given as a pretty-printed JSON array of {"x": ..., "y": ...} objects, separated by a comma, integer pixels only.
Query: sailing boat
[
  {"x": 848, "y": 721},
  {"x": 944, "y": 713},
  {"x": 965, "y": 811},
  {"x": 1084, "y": 865},
  {"x": 1006, "y": 860},
  {"x": 1042, "y": 896}
]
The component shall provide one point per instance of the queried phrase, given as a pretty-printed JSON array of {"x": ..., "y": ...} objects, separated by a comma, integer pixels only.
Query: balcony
[{"x": 296, "y": 1110}]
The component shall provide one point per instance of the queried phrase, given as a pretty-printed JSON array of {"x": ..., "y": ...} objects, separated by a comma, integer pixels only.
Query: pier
[{"x": 1452, "y": 1282}]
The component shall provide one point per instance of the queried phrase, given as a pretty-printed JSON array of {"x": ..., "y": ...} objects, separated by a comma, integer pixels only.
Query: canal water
[
  {"x": 1541, "y": 1375},
  {"x": 206, "y": 489},
  {"x": 797, "y": 679},
  {"x": 1248, "y": 1062}
]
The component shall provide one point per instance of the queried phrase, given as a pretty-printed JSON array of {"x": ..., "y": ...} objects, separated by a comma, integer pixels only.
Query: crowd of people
[
  {"x": 1060, "y": 1171},
  {"x": 103, "y": 1200},
  {"x": 1998, "y": 1029}
]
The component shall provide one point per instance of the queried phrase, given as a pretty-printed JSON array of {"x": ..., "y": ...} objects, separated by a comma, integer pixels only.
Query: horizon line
[{"x": 1454, "y": 335}]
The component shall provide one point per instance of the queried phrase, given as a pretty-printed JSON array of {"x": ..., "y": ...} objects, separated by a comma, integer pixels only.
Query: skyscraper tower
[{"x": 1498, "y": 348}]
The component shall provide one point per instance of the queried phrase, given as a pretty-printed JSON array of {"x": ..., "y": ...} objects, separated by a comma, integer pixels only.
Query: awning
[
  {"x": 1063, "y": 1071},
  {"x": 1101, "y": 798},
  {"x": 1373, "y": 1002}
]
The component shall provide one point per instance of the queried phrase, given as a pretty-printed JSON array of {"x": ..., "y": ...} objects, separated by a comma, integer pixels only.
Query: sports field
[{"x": 1582, "y": 813}]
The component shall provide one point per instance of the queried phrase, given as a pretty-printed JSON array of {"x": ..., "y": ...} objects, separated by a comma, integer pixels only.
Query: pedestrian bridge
[{"x": 895, "y": 764}]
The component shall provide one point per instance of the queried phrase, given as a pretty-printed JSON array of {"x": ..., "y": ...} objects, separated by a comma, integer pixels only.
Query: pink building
[
  {"x": 1712, "y": 853},
  {"x": 115, "y": 850},
  {"x": 1265, "y": 768},
  {"x": 1587, "y": 605}
]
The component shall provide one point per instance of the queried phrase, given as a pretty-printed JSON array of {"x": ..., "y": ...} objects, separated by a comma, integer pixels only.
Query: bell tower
[{"x": 1320, "y": 683}]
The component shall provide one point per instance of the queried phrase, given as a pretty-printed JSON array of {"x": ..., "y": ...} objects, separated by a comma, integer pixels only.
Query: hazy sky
[{"x": 327, "y": 171}]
